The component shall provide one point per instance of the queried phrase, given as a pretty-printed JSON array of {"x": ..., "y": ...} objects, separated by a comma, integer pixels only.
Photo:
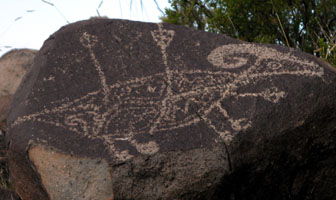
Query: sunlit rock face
[
  {"x": 13, "y": 66},
  {"x": 117, "y": 109}
]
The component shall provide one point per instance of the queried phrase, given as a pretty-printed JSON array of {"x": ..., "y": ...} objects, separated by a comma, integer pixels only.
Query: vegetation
[{"x": 309, "y": 25}]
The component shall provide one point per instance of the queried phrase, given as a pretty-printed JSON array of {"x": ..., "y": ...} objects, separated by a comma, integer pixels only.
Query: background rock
[
  {"x": 5, "y": 102},
  {"x": 13, "y": 66},
  {"x": 116, "y": 109}
]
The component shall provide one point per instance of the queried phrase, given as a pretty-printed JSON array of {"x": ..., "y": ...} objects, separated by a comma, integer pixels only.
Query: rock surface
[
  {"x": 13, "y": 66},
  {"x": 8, "y": 195},
  {"x": 117, "y": 109}
]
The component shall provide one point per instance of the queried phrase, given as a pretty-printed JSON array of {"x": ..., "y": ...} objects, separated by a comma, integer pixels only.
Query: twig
[
  {"x": 18, "y": 18},
  {"x": 158, "y": 7},
  {"x": 329, "y": 38},
  {"x": 97, "y": 10},
  {"x": 332, "y": 48},
  {"x": 100, "y": 4},
  {"x": 47, "y": 2},
  {"x": 51, "y": 4},
  {"x": 323, "y": 31},
  {"x": 282, "y": 29},
  {"x": 234, "y": 27}
]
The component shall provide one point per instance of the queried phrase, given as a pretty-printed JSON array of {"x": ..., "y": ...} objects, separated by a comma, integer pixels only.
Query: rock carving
[{"x": 160, "y": 110}]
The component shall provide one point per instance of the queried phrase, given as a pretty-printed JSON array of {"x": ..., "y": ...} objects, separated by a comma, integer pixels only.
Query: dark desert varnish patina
[{"x": 129, "y": 110}]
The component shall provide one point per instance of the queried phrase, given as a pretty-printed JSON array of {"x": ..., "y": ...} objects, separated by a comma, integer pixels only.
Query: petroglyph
[
  {"x": 219, "y": 57},
  {"x": 163, "y": 38},
  {"x": 89, "y": 41},
  {"x": 148, "y": 105}
]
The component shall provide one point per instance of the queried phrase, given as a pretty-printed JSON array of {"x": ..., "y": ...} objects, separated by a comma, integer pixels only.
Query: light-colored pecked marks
[
  {"x": 148, "y": 105},
  {"x": 219, "y": 56},
  {"x": 163, "y": 37},
  {"x": 89, "y": 41}
]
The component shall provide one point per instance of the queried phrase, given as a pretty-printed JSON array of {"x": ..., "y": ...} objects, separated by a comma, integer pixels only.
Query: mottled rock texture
[
  {"x": 13, "y": 66},
  {"x": 117, "y": 109}
]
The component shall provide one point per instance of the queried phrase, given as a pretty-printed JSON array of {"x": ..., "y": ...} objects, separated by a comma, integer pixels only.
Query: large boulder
[
  {"x": 13, "y": 65},
  {"x": 117, "y": 109}
]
